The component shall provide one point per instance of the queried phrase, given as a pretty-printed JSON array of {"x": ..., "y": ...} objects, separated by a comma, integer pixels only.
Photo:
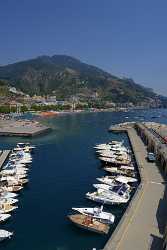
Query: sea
[{"x": 63, "y": 170}]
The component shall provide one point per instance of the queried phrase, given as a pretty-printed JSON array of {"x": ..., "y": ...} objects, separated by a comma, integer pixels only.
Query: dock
[
  {"x": 23, "y": 128},
  {"x": 143, "y": 224},
  {"x": 3, "y": 156}
]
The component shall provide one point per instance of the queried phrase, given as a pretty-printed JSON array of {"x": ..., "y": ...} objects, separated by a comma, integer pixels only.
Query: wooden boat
[{"x": 88, "y": 223}]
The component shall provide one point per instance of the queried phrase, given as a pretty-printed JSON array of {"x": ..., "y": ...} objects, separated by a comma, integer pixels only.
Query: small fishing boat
[
  {"x": 97, "y": 213},
  {"x": 88, "y": 223},
  {"x": 4, "y": 234},
  {"x": 4, "y": 217}
]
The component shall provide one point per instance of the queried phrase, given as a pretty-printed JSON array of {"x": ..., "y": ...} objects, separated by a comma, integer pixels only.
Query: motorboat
[
  {"x": 8, "y": 201},
  {"x": 114, "y": 155},
  {"x": 118, "y": 171},
  {"x": 4, "y": 217},
  {"x": 110, "y": 188},
  {"x": 112, "y": 143},
  {"x": 12, "y": 188},
  {"x": 7, "y": 208},
  {"x": 7, "y": 195},
  {"x": 105, "y": 197},
  {"x": 89, "y": 223},
  {"x": 116, "y": 160},
  {"x": 115, "y": 180},
  {"x": 4, "y": 234},
  {"x": 97, "y": 213}
]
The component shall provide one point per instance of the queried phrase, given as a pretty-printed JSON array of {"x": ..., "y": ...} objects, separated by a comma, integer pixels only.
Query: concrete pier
[
  {"x": 142, "y": 225},
  {"x": 3, "y": 156},
  {"x": 23, "y": 128}
]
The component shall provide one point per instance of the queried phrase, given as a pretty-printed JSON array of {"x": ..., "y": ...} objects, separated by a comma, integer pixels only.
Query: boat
[
  {"x": 4, "y": 217},
  {"x": 118, "y": 171},
  {"x": 97, "y": 213},
  {"x": 110, "y": 188},
  {"x": 116, "y": 161},
  {"x": 101, "y": 196},
  {"x": 4, "y": 234},
  {"x": 88, "y": 223},
  {"x": 7, "y": 195},
  {"x": 114, "y": 154},
  {"x": 11, "y": 188},
  {"x": 112, "y": 143},
  {"x": 115, "y": 180},
  {"x": 6, "y": 208},
  {"x": 8, "y": 200}
]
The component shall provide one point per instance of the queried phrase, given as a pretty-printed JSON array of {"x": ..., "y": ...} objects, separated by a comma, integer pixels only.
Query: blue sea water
[{"x": 64, "y": 168}]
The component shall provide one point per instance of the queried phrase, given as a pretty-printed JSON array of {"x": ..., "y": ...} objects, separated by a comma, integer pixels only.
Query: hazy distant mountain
[{"x": 66, "y": 76}]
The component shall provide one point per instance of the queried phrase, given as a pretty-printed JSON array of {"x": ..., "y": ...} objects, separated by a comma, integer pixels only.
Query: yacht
[
  {"x": 97, "y": 213},
  {"x": 7, "y": 208},
  {"x": 87, "y": 222},
  {"x": 4, "y": 217},
  {"x": 115, "y": 180},
  {"x": 8, "y": 201},
  {"x": 101, "y": 197},
  {"x": 4, "y": 234}
]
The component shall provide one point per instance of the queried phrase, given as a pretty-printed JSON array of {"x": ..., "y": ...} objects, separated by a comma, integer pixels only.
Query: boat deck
[{"x": 143, "y": 224}]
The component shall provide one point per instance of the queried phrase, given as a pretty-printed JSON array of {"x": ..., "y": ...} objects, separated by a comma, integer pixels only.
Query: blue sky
[{"x": 127, "y": 38}]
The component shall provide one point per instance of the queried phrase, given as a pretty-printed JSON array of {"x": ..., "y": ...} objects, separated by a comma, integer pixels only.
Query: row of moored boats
[
  {"x": 13, "y": 177},
  {"x": 113, "y": 189}
]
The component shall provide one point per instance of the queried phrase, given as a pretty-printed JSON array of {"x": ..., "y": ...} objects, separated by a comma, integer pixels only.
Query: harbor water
[{"x": 63, "y": 170}]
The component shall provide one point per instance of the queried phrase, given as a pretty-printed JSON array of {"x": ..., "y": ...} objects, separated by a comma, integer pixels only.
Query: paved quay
[
  {"x": 3, "y": 156},
  {"x": 23, "y": 128},
  {"x": 143, "y": 224}
]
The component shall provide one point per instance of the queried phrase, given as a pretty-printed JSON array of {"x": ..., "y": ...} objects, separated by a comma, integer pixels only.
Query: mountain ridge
[{"x": 66, "y": 76}]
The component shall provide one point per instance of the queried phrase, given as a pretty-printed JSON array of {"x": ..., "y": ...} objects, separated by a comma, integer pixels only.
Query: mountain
[{"x": 65, "y": 76}]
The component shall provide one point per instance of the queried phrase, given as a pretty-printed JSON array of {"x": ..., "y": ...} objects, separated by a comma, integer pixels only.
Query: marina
[
  {"x": 11, "y": 181},
  {"x": 51, "y": 148}
]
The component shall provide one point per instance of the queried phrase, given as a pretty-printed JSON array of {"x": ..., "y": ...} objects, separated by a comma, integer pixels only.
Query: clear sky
[{"x": 125, "y": 37}]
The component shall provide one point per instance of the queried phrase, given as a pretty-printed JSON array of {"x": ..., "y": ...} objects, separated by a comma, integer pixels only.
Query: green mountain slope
[{"x": 66, "y": 76}]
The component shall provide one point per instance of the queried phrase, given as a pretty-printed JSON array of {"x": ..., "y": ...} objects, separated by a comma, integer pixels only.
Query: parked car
[{"x": 151, "y": 157}]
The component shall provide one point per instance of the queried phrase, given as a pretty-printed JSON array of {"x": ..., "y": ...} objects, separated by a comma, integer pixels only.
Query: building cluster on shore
[
  {"x": 114, "y": 189},
  {"x": 13, "y": 177}
]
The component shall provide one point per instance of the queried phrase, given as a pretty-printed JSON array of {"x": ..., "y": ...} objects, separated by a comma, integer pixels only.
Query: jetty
[
  {"x": 143, "y": 224},
  {"x": 23, "y": 128},
  {"x": 3, "y": 156}
]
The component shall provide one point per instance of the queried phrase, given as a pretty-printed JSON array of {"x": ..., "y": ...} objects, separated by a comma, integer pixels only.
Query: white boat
[
  {"x": 8, "y": 200},
  {"x": 115, "y": 180},
  {"x": 97, "y": 213},
  {"x": 116, "y": 160},
  {"x": 4, "y": 217},
  {"x": 8, "y": 172},
  {"x": 104, "y": 197},
  {"x": 114, "y": 155},
  {"x": 4, "y": 234},
  {"x": 112, "y": 188},
  {"x": 7, "y": 195},
  {"x": 112, "y": 143},
  {"x": 12, "y": 188}
]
